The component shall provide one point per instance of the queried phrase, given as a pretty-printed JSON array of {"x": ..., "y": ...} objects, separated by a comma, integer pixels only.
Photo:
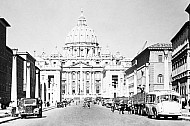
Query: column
[
  {"x": 14, "y": 79},
  {"x": 90, "y": 82},
  {"x": 135, "y": 81},
  {"x": 147, "y": 77},
  {"x": 77, "y": 80},
  {"x": 37, "y": 84},
  {"x": 101, "y": 83},
  {"x": 179, "y": 88},
  {"x": 188, "y": 68},
  {"x": 70, "y": 88},
  {"x": 42, "y": 95},
  {"x": 28, "y": 79},
  {"x": 126, "y": 81},
  {"x": 81, "y": 84},
  {"x": 166, "y": 72},
  {"x": 84, "y": 77},
  {"x": 67, "y": 83},
  {"x": 187, "y": 91}
]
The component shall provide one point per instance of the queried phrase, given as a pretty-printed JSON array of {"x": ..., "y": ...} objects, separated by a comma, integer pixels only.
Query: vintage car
[
  {"x": 108, "y": 102},
  {"x": 89, "y": 99},
  {"x": 121, "y": 100},
  {"x": 30, "y": 107},
  {"x": 60, "y": 105}
]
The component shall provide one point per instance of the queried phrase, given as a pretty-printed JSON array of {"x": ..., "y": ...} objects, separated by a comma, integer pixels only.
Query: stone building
[
  {"x": 81, "y": 69},
  {"x": 29, "y": 74},
  {"x": 181, "y": 60},
  {"x": 150, "y": 70},
  {"x": 23, "y": 76},
  {"x": 5, "y": 64},
  {"x": 17, "y": 72}
]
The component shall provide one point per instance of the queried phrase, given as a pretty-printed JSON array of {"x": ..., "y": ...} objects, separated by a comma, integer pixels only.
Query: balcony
[{"x": 179, "y": 70}]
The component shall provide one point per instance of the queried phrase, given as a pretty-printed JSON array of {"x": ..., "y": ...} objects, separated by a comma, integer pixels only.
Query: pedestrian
[
  {"x": 12, "y": 108},
  {"x": 88, "y": 104},
  {"x": 122, "y": 107},
  {"x": 113, "y": 106},
  {"x": 129, "y": 108}
]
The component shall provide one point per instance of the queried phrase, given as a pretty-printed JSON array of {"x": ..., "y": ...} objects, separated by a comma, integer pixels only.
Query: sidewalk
[{"x": 5, "y": 115}]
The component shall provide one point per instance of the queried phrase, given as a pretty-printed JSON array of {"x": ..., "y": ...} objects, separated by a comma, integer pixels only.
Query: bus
[{"x": 163, "y": 103}]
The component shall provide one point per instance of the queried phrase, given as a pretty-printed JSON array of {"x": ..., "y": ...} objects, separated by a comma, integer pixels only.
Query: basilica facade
[{"x": 82, "y": 69}]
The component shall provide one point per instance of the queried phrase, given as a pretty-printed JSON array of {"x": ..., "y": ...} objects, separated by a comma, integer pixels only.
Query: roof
[
  {"x": 157, "y": 46},
  {"x": 181, "y": 30},
  {"x": 188, "y": 9},
  {"x": 160, "y": 46},
  {"x": 4, "y": 22}
]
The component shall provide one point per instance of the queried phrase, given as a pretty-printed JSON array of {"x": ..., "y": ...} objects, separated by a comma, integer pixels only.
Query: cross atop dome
[
  {"x": 82, "y": 19},
  {"x": 81, "y": 10}
]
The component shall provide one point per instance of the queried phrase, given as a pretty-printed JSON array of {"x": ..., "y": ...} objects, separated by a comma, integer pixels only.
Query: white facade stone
[{"x": 84, "y": 69}]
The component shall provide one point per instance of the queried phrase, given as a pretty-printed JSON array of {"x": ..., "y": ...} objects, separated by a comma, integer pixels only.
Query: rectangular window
[
  {"x": 87, "y": 90},
  {"x": 114, "y": 81},
  {"x": 73, "y": 90},
  {"x": 97, "y": 89},
  {"x": 74, "y": 76},
  {"x": 50, "y": 80},
  {"x": 63, "y": 88},
  {"x": 160, "y": 78},
  {"x": 159, "y": 58},
  {"x": 42, "y": 77},
  {"x": 150, "y": 98},
  {"x": 87, "y": 76}
]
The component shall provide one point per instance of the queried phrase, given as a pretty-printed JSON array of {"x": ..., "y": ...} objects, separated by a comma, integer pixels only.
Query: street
[{"x": 97, "y": 115}]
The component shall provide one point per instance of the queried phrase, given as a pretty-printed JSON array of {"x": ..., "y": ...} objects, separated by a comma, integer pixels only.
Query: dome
[
  {"x": 81, "y": 33},
  {"x": 55, "y": 53}
]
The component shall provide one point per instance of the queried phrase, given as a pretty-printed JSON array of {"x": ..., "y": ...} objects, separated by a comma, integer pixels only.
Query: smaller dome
[{"x": 55, "y": 53}]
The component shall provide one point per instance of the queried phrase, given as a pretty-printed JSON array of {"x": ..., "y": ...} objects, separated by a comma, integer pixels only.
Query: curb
[{"x": 13, "y": 118}]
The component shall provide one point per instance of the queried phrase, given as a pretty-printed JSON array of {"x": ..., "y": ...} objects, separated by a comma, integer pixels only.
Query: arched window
[
  {"x": 160, "y": 78},
  {"x": 73, "y": 76},
  {"x": 87, "y": 76}
]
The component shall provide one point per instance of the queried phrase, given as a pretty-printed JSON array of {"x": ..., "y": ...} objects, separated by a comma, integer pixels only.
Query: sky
[{"x": 121, "y": 25}]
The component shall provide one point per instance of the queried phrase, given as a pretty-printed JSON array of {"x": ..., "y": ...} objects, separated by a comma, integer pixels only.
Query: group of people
[
  {"x": 86, "y": 104},
  {"x": 121, "y": 106}
]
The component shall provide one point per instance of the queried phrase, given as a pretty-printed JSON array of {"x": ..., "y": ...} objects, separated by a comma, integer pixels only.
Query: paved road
[{"x": 97, "y": 115}]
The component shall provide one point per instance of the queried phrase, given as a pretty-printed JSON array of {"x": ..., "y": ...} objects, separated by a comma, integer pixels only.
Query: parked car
[
  {"x": 30, "y": 107},
  {"x": 60, "y": 104},
  {"x": 108, "y": 102}
]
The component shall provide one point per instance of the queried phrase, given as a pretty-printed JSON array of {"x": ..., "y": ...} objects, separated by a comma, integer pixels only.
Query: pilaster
[
  {"x": 166, "y": 72},
  {"x": 135, "y": 81},
  {"x": 101, "y": 83},
  {"x": 90, "y": 82},
  {"x": 28, "y": 79},
  {"x": 147, "y": 77},
  {"x": 14, "y": 79},
  {"x": 84, "y": 77},
  {"x": 37, "y": 84}
]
